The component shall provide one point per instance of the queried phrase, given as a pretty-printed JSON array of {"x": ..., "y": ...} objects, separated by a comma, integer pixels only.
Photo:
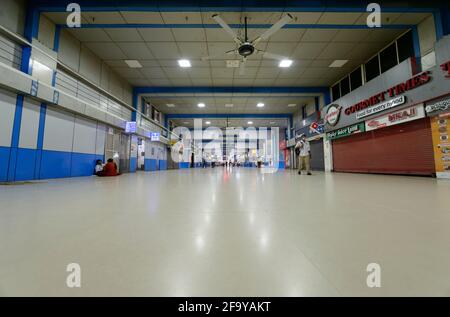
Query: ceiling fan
[{"x": 246, "y": 47}]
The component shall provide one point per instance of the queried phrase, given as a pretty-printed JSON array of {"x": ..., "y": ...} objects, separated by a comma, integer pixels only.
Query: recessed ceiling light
[
  {"x": 285, "y": 63},
  {"x": 260, "y": 105},
  {"x": 208, "y": 122},
  {"x": 291, "y": 105},
  {"x": 338, "y": 63},
  {"x": 170, "y": 105},
  {"x": 250, "y": 122},
  {"x": 184, "y": 63},
  {"x": 133, "y": 63},
  {"x": 201, "y": 105},
  {"x": 185, "y": 122},
  {"x": 272, "y": 122},
  {"x": 229, "y": 105}
]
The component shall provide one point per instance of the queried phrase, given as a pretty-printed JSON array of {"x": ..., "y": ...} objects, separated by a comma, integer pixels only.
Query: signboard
[
  {"x": 154, "y": 136},
  {"x": 316, "y": 127},
  {"x": 381, "y": 107},
  {"x": 339, "y": 133},
  {"x": 440, "y": 131},
  {"x": 396, "y": 117},
  {"x": 332, "y": 115},
  {"x": 130, "y": 127},
  {"x": 440, "y": 106}
]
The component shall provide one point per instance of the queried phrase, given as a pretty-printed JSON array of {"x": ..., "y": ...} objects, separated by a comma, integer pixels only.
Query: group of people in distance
[{"x": 108, "y": 169}]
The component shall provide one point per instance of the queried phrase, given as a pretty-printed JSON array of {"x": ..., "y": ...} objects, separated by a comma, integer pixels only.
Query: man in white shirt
[{"x": 303, "y": 150}]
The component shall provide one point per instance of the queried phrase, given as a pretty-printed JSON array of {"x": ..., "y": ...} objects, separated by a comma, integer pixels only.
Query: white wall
[
  {"x": 30, "y": 124},
  {"x": 7, "y": 110},
  {"x": 12, "y": 15},
  {"x": 427, "y": 35},
  {"x": 68, "y": 132},
  {"x": 82, "y": 60}
]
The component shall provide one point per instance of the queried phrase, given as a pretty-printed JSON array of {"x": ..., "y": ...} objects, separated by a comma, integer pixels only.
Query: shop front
[
  {"x": 382, "y": 127},
  {"x": 439, "y": 112},
  {"x": 313, "y": 129}
]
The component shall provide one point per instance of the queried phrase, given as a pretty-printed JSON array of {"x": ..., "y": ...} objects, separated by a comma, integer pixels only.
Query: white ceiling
[
  {"x": 233, "y": 122},
  {"x": 158, "y": 49},
  {"x": 242, "y": 103}
]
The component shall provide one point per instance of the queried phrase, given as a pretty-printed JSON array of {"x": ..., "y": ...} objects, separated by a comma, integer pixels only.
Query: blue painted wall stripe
[
  {"x": 416, "y": 42},
  {"x": 57, "y": 38},
  {"x": 222, "y": 6}
]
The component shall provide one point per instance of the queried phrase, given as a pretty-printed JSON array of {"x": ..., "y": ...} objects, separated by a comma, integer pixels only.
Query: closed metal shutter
[
  {"x": 400, "y": 149},
  {"x": 317, "y": 160}
]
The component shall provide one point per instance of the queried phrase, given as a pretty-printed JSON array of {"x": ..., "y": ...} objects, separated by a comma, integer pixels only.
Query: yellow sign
[{"x": 440, "y": 129}]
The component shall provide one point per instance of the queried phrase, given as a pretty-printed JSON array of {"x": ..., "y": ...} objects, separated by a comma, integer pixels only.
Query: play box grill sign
[
  {"x": 353, "y": 129},
  {"x": 396, "y": 117},
  {"x": 381, "y": 107}
]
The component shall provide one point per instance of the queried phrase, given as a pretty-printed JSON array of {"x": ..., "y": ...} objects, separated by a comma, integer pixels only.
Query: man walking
[{"x": 303, "y": 151}]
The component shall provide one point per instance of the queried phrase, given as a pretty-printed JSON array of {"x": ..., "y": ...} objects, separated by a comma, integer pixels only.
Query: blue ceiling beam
[{"x": 227, "y": 6}]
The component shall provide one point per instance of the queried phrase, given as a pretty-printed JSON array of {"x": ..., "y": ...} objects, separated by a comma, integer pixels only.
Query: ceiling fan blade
[
  {"x": 242, "y": 67},
  {"x": 274, "y": 28},
  {"x": 230, "y": 52},
  {"x": 272, "y": 56},
  {"x": 226, "y": 27}
]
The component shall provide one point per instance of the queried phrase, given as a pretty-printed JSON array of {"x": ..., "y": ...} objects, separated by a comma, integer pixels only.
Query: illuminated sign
[
  {"x": 381, "y": 107},
  {"x": 130, "y": 127},
  {"x": 154, "y": 136}
]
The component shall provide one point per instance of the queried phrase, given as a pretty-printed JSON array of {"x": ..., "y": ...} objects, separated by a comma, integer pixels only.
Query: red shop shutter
[{"x": 400, "y": 149}]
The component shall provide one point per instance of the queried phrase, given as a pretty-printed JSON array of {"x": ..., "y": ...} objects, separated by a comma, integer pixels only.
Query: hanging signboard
[
  {"x": 340, "y": 133},
  {"x": 396, "y": 117}
]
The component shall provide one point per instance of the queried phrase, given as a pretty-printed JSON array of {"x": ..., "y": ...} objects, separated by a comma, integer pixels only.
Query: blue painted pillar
[
  {"x": 317, "y": 103},
  {"x": 135, "y": 105},
  {"x": 31, "y": 31},
  {"x": 417, "y": 54}
]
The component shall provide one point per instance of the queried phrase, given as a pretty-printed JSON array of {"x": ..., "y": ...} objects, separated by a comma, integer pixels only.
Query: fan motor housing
[{"x": 246, "y": 49}]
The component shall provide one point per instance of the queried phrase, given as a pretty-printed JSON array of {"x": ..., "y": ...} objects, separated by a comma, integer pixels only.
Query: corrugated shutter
[
  {"x": 400, "y": 149},
  {"x": 317, "y": 160}
]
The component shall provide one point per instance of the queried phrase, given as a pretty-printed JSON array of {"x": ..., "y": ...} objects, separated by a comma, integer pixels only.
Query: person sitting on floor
[
  {"x": 98, "y": 167},
  {"x": 110, "y": 169}
]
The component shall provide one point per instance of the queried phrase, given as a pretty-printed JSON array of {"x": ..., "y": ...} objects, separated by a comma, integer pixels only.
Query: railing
[
  {"x": 10, "y": 53},
  {"x": 74, "y": 87},
  {"x": 74, "y": 84}
]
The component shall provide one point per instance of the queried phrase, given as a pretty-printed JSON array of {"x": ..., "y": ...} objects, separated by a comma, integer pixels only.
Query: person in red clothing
[{"x": 110, "y": 169}]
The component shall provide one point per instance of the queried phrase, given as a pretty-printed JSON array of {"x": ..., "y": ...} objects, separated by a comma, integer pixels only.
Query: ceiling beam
[
  {"x": 230, "y": 6},
  {"x": 211, "y": 90},
  {"x": 240, "y": 26},
  {"x": 229, "y": 115}
]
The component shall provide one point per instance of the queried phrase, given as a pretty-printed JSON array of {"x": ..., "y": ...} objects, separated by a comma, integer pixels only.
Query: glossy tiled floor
[{"x": 216, "y": 233}]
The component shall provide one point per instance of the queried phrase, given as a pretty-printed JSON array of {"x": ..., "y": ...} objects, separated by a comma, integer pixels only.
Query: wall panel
[
  {"x": 30, "y": 124},
  {"x": 58, "y": 135},
  {"x": 7, "y": 110},
  {"x": 85, "y": 134}
]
